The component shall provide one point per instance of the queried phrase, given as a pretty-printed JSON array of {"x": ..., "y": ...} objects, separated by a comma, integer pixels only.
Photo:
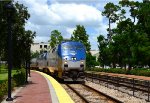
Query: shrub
[
  {"x": 115, "y": 70},
  {"x": 3, "y": 89},
  {"x": 111, "y": 70},
  {"x": 88, "y": 69},
  {"x": 143, "y": 72},
  {"x": 20, "y": 77},
  {"x": 137, "y": 71}
]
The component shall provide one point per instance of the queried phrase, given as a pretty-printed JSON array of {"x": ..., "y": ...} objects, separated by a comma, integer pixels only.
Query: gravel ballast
[{"x": 124, "y": 97}]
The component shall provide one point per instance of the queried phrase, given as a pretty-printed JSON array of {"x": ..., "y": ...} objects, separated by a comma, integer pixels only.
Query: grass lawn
[
  {"x": 4, "y": 76},
  {"x": 4, "y": 73}
]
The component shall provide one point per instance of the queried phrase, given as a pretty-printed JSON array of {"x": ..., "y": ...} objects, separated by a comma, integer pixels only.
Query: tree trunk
[
  {"x": 129, "y": 68},
  {"x": 109, "y": 31},
  {"x": 114, "y": 65}
]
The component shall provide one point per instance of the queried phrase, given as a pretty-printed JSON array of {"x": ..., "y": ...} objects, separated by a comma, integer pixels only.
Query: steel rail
[
  {"x": 83, "y": 98},
  {"x": 101, "y": 93}
]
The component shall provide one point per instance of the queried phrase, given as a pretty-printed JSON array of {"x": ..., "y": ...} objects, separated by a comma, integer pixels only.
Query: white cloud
[
  {"x": 77, "y": 13},
  {"x": 63, "y": 17},
  {"x": 39, "y": 39},
  {"x": 65, "y": 14},
  {"x": 62, "y": 14},
  {"x": 70, "y": 30},
  {"x": 74, "y": 1}
]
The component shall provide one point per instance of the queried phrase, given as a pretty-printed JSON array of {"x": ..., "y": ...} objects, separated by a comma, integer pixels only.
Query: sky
[{"x": 64, "y": 15}]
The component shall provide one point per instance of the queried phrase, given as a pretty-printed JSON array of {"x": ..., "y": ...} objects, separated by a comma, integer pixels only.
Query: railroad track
[
  {"x": 91, "y": 95},
  {"x": 130, "y": 86}
]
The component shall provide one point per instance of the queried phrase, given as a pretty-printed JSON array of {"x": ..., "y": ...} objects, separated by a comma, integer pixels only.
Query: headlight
[
  {"x": 65, "y": 62},
  {"x": 74, "y": 58},
  {"x": 82, "y": 62}
]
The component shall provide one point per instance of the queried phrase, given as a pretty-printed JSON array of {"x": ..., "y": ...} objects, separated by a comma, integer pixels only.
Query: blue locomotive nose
[{"x": 72, "y": 57}]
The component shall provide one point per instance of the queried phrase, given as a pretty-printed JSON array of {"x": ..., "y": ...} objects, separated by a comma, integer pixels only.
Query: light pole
[
  {"x": 10, "y": 8},
  {"x": 26, "y": 71},
  {"x": 27, "y": 62}
]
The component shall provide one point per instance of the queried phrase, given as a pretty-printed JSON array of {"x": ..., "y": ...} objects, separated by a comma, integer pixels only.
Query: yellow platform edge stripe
[{"x": 62, "y": 95}]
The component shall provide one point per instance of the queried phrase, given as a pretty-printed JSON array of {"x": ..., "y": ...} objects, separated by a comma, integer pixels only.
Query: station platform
[{"x": 41, "y": 88}]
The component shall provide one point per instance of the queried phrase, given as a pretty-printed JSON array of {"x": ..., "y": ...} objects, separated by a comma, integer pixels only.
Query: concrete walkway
[{"x": 36, "y": 91}]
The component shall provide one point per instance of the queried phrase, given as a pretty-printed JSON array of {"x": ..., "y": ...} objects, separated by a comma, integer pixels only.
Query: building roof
[{"x": 94, "y": 52}]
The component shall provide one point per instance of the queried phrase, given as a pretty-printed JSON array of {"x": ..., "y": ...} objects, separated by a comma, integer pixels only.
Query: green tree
[
  {"x": 35, "y": 54},
  {"x": 103, "y": 50},
  {"x": 55, "y": 38},
  {"x": 140, "y": 30},
  {"x": 21, "y": 38},
  {"x": 144, "y": 27},
  {"x": 135, "y": 39},
  {"x": 130, "y": 43},
  {"x": 91, "y": 61},
  {"x": 3, "y": 29},
  {"x": 110, "y": 12},
  {"x": 80, "y": 35}
]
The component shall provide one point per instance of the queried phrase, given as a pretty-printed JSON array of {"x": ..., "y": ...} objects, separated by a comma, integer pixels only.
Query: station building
[{"x": 40, "y": 46}]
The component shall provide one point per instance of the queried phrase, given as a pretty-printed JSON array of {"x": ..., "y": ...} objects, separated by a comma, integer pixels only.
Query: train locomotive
[{"x": 67, "y": 61}]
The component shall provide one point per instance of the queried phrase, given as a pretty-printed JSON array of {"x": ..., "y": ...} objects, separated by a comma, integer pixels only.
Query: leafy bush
[
  {"x": 4, "y": 88},
  {"x": 137, "y": 71},
  {"x": 143, "y": 72},
  {"x": 99, "y": 70},
  {"x": 112, "y": 70},
  {"x": 20, "y": 77},
  {"x": 117, "y": 70}
]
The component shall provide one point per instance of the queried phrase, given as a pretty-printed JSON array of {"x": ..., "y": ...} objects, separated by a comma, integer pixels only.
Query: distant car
[
  {"x": 98, "y": 67},
  {"x": 118, "y": 67}
]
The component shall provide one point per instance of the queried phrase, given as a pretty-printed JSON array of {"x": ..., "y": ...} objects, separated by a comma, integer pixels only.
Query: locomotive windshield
[
  {"x": 70, "y": 50},
  {"x": 77, "y": 47}
]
